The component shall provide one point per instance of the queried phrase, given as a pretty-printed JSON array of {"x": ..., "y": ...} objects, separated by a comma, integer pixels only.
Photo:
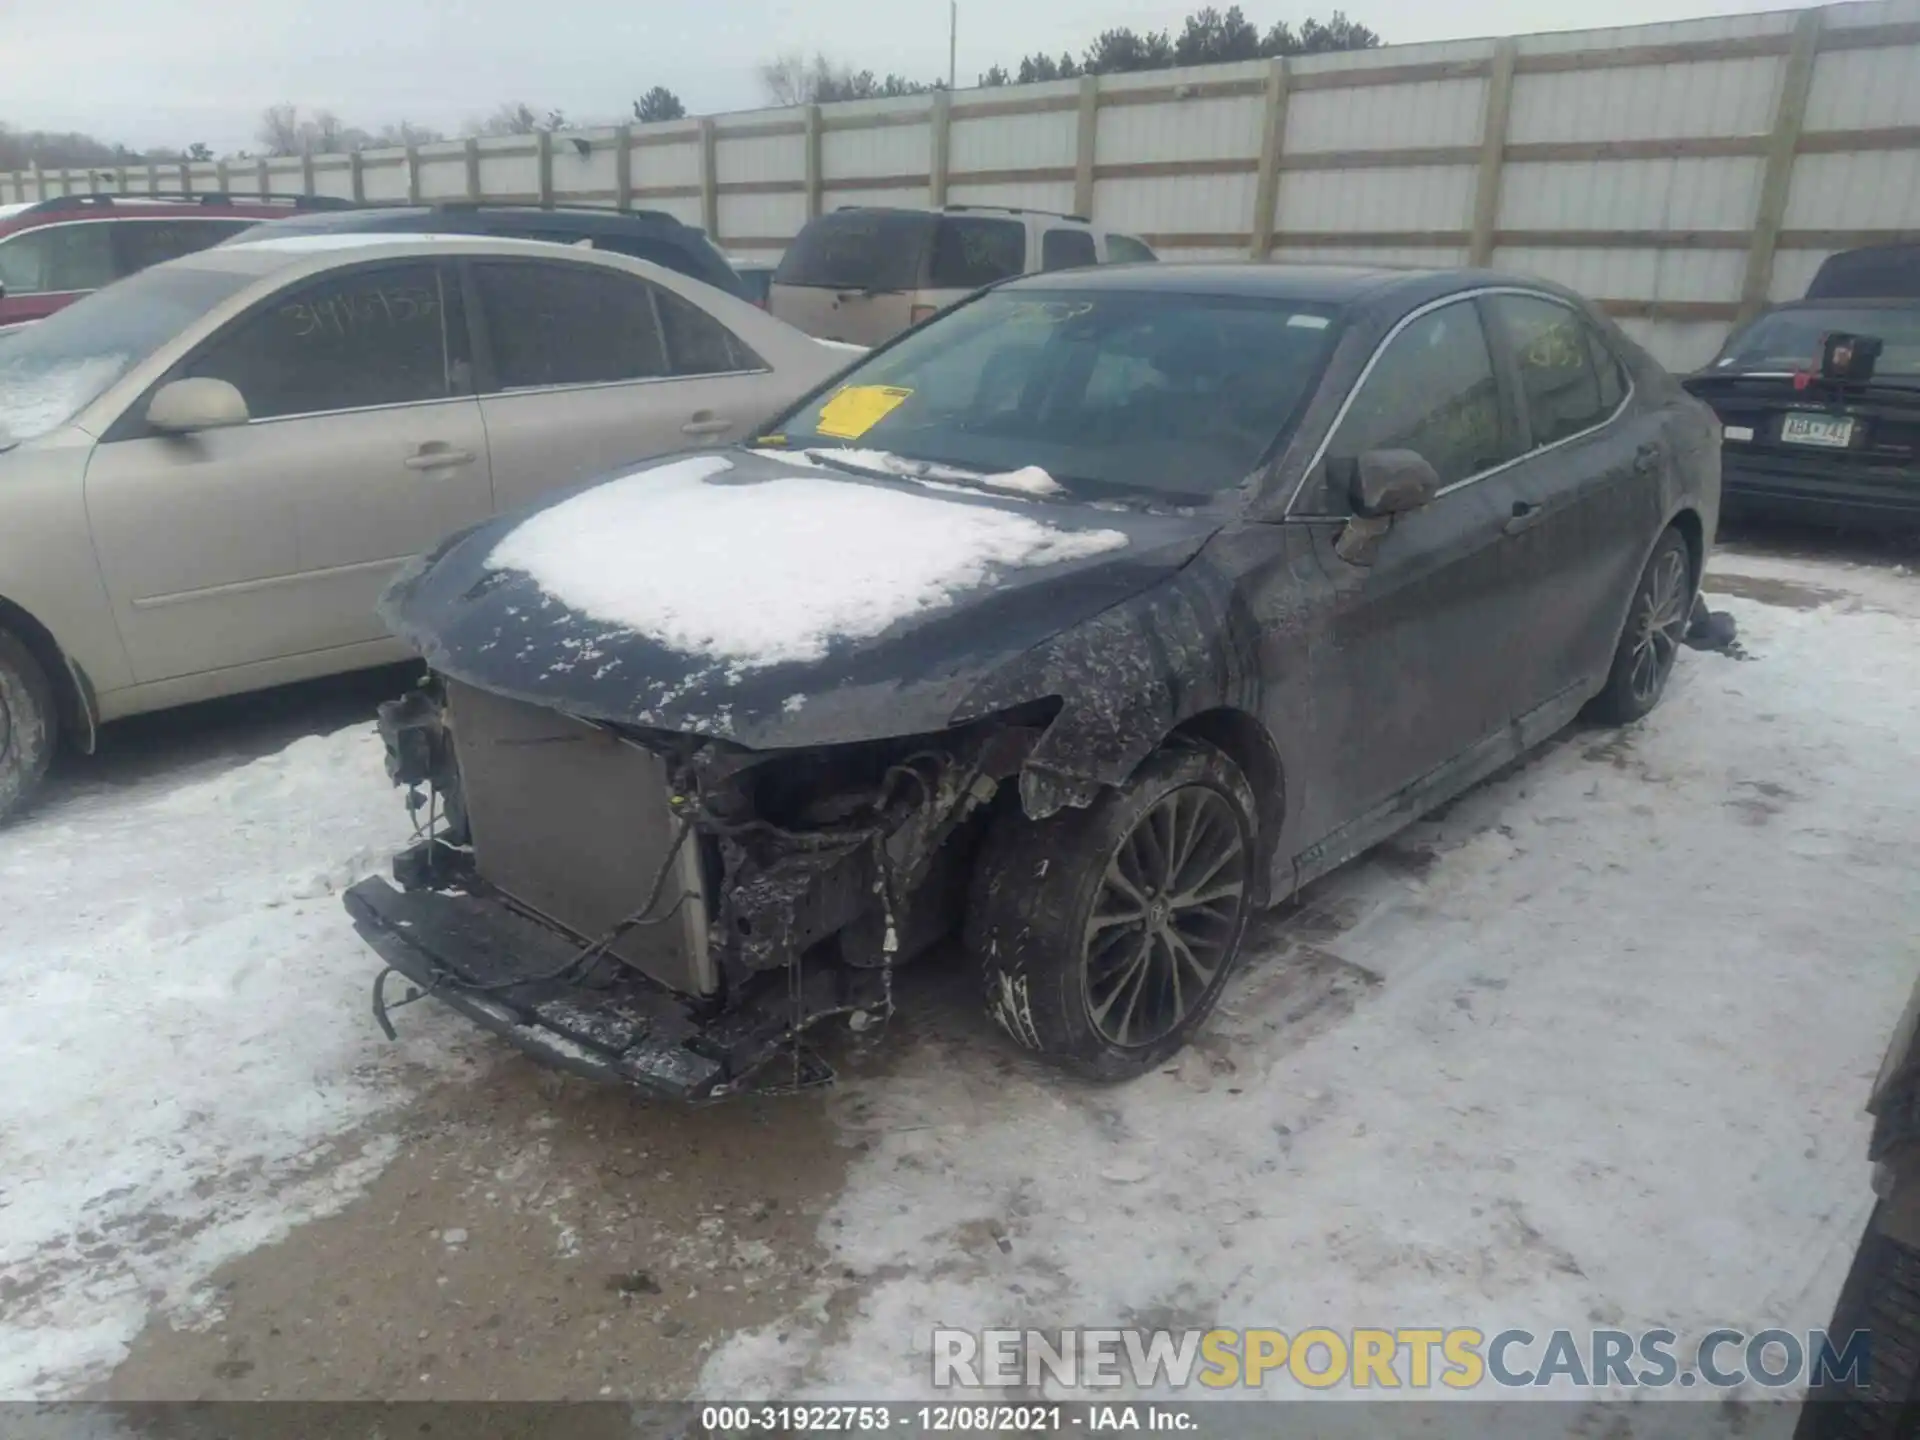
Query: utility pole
[{"x": 953, "y": 38}]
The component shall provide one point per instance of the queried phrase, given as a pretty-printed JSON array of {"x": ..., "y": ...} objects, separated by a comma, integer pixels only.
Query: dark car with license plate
[
  {"x": 1080, "y": 623},
  {"x": 1819, "y": 404}
]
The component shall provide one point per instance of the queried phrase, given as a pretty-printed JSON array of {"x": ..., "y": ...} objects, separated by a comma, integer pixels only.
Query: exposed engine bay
[{"x": 667, "y": 909}]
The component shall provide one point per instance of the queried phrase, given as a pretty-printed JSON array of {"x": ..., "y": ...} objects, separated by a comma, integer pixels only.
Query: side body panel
[{"x": 47, "y": 565}]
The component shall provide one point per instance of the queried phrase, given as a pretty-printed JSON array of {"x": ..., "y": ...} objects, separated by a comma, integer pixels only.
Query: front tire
[
  {"x": 27, "y": 725},
  {"x": 1106, "y": 935},
  {"x": 1656, "y": 624}
]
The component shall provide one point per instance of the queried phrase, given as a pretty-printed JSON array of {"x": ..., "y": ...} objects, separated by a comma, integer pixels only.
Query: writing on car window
[{"x": 1432, "y": 391}]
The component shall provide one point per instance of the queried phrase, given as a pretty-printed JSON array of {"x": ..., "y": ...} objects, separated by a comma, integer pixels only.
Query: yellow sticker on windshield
[{"x": 858, "y": 408}]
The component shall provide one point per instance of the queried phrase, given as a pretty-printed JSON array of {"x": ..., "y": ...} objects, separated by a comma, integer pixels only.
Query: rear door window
[
  {"x": 698, "y": 344},
  {"x": 1125, "y": 250},
  {"x": 1066, "y": 249},
  {"x": 1432, "y": 391},
  {"x": 568, "y": 325},
  {"x": 859, "y": 250},
  {"x": 969, "y": 252},
  {"x": 140, "y": 243},
  {"x": 57, "y": 259},
  {"x": 1554, "y": 358},
  {"x": 352, "y": 341}
]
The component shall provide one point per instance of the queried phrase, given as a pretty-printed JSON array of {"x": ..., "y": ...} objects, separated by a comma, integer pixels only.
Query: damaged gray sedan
[{"x": 1081, "y": 622}]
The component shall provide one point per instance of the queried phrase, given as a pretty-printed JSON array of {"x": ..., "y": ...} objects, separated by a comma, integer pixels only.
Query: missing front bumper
[{"x": 474, "y": 952}]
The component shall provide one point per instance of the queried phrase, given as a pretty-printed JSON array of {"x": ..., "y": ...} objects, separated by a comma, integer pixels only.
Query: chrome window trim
[
  {"x": 1366, "y": 371},
  {"x": 504, "y": 391},
  {"x": 364, "y": 409},
  {"x": 258, "y": 422}
]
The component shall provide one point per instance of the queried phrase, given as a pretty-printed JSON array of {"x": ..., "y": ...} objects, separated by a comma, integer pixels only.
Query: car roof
[
  {"x": 958, "y": 212},
  {"x": 267, "y": 254},
  {"x": 1324, "y": 284},
  {"x": 62, "y": 209},
  {"x": 573, "y": 220}
]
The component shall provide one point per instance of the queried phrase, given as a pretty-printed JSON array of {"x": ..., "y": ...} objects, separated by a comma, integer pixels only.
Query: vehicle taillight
[{"x": 921, "y": 312}]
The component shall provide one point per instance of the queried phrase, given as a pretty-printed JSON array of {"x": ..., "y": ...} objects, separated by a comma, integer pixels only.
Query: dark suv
[
  {"x": 54, "y": 251},
  {"x": 644, "y": 234}
]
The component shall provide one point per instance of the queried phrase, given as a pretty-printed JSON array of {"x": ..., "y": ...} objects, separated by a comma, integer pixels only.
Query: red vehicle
[{"x": 54, "y": 251}]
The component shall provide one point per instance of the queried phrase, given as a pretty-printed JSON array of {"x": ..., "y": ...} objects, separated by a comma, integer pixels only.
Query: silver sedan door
[
  {"x": 585, "y": 368},
  {"x": 274, "y": 538}
]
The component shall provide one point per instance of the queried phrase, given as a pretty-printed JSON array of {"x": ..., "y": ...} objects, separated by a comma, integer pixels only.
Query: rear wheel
[
  {"x": 1105, "y": 935},
  {"x": 1656, "y": 624},
  {"x": 26, "y": 724}
]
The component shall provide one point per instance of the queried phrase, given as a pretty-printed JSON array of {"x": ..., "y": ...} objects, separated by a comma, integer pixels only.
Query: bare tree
[
  {"x": 279, "y": 132},
  {"x": 284, "y": 132},
  {"x": 793, "y": 79},
  {"x": 512, "y": 118},
  {"x": 404, "y": 132}
]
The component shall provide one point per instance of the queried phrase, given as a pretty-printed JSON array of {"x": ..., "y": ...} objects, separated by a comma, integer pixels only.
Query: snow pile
[
  {"x": 36, "y": 399},
  {"x": 1592, "y": 1052},
  {"x": 185, "y": 1044},
  {"x": 764, "y": 573}
]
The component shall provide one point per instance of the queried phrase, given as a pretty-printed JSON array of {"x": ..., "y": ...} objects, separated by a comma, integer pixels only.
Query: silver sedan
[{"x": 209, "y": 471}]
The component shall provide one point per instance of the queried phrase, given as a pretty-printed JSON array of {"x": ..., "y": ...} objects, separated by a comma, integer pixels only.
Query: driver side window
[
  {"x": 350, "y": 341},
  {"x": 1432, "y": 391}
]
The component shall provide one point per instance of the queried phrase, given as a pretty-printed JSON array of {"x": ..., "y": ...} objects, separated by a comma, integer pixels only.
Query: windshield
[
  {"x": 50, "y": 371},
  {"x": 1790, "y": 339},
  {"x": 858, "y": 250},
  {"x": 1114, "y": 394}
]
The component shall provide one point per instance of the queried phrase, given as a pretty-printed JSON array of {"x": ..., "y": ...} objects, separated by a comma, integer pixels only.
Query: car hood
[{"x": 769, "y": 601}]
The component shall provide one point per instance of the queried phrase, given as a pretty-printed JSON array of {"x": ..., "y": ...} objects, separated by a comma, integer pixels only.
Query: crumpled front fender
[{"x": 1126, "y": 679}]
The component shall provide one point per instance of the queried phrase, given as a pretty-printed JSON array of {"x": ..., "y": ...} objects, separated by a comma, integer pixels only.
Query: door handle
[
  {"x": 705, "y": 422},
  {"x": 1646, "y": 460},
  {"x": 437, "y": 455},
  {"x": 1525, "y": 516}
]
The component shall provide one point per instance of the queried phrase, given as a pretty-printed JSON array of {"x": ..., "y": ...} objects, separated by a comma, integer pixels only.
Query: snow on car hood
[
  {"x": 806, "y": 559},
  {"x": 748, "y": 595}
]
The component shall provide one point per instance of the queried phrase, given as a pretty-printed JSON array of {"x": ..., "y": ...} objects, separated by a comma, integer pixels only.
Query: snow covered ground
[
  {"x": 1589, "y": 1049},
  {"x": 185, "y": 1045},
  {"x": 1613, "y": 1020}
]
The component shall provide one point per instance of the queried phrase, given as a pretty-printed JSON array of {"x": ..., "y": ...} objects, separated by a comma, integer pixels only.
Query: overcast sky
[{"x": 163, "y": 72}]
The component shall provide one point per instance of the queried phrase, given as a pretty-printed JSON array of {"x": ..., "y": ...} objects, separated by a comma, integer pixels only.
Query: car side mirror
[
  {"x": 1379, "y": 485},
  {"x": 1390, "y": 482},
  {"x": 182, "y": 407}
]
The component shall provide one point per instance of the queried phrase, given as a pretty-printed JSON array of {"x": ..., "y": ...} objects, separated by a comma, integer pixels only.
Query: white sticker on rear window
[{"x": 1308, "y": 322}]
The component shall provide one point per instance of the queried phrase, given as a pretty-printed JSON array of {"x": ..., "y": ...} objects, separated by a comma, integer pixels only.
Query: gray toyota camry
[{"x": 1080, "y": 622}]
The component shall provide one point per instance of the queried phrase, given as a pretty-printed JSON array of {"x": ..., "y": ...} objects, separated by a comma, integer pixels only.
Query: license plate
[{"x": 1836, "y": 433}]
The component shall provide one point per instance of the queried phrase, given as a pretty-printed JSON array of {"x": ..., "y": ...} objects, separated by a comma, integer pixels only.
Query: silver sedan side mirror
[{"x": 182, "y": 407}]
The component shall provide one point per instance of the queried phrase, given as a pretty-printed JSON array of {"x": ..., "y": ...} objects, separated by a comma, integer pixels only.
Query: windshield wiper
[{"x": 871, "y": 472}]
